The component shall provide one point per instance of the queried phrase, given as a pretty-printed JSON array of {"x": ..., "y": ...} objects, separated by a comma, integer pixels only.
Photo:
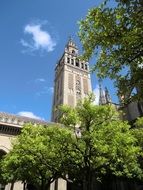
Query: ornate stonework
[{"x": 72, "y": 79}]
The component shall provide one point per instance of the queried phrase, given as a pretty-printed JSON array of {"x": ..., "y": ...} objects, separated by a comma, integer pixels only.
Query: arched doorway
[{"x": 2, "y": 186}]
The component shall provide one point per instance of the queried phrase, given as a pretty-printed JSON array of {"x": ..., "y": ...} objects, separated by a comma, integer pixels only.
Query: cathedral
[{"x": 72, "y": 83}]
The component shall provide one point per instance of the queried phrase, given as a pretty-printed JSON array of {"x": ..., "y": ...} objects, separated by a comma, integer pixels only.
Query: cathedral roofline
[{"x": 20, "y": 120}]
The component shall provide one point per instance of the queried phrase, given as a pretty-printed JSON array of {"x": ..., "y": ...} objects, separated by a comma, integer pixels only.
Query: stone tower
[{"x": 72, "y": 79}]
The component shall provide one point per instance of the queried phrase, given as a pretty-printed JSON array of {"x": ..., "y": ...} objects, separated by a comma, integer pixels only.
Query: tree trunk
[
  {"x": 45, "y": 186},
  {"x": 24, "y": 185},
  {"x": 12, "y": 186}
]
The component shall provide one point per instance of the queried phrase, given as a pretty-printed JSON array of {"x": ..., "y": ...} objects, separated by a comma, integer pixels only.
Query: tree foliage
[
  {"x": 2, "y": 181},
  {"x": 92, "y": 144},
  {"x": 137, "y": 131},
  {"x": 114, "y": 34},
  {"x": 37, "y": 156},
  {"x": 105, "y": 145},
  {"x": 139, "y": 122}
]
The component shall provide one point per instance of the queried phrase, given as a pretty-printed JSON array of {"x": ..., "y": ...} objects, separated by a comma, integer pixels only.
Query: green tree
[
  {"x": 114, "y": 34},
  {"x": 104, "y": 144},
  {"x": 37, "y": 156},
  {"x": 139, "y": 122},
  {"x": 137, "y": 131},
  {"x": 2, "y": 181}
]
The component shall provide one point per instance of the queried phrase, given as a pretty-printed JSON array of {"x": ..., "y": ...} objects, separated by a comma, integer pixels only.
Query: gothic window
[
  {"x": 68, "y": 60},
  {"x": 78, "y": 88},
  {"x": 78, "y": 92},
  {"x": 77, "y": 82},
  {"x": 77, "y": 63},
  {"x": 82, "y": 65},
  {"x": 72, "y": 61},
  {"x": 73, "y": 51},
  {"x": 85, "y": 66}
]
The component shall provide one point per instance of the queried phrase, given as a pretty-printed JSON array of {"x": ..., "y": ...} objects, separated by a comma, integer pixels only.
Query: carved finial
[{"x": 71, "y": 43}]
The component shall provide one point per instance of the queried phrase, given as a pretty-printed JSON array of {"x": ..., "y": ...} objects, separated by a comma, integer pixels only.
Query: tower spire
[
  {"x": 102, "y": 99},
  {"x": 107, "y": 96}
]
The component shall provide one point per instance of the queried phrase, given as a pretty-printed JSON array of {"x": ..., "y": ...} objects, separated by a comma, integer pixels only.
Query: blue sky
[{"x": 33, "y": 35}]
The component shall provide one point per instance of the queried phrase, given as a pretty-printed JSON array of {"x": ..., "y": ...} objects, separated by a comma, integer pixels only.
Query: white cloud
[
  {"x": 29, "y": 114},
  {"x": 51, "y": 90},
  {"x": 46, "y": 90},
  {"x": 41, "y": 39},
  {"x": 40, "y": 80},
  {"x": 96, "y": 92}
]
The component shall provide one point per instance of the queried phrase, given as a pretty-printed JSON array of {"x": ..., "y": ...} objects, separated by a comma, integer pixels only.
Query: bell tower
[{"x": 72, "y": 79}]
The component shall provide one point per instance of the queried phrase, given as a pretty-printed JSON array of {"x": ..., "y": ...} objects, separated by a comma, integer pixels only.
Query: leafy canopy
[
  {"x": 37, "y": 156},
  {"x": 104, "y": 143},
  {"x": 114, "y": 35},
  {"x": 93, "y": 143}
]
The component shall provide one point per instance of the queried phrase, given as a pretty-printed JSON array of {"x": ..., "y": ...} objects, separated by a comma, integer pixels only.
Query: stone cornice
[
  {"x": 18, "y": 121},
  {"x": 11, "y": 124}
]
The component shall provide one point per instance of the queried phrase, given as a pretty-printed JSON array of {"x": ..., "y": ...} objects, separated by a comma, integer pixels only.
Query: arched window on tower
[
  {"x": 73, "y": 51},
  {"x": 68, "y": 60},
  {"x": 72, "y": 61},
  {"x": 82, "y": 65},
  {"x": 77, "y": 63},
  {"x": 78, "y": 88},
  {"x": 86, "y": 67}
]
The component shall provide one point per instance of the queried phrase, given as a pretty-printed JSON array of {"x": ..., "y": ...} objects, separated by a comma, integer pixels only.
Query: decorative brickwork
[
  {"x": 85, "y": 86},
  {"x": 69, "y": 85},
  {"x": 70, "y": 81},
  {"x": 71, "y": 100}
]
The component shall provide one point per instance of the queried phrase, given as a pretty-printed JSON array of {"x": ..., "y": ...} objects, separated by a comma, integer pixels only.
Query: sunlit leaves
[
  {"x": 114, "y": 35},
  {"x": 106, "y": 144},
  {"x": 38, "y": 155}
]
